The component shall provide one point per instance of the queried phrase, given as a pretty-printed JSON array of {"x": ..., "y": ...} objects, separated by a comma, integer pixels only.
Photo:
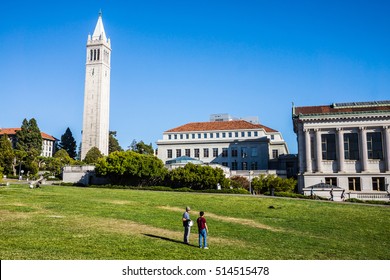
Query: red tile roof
[
  {"x": 219, "y": 126},
  {"x": 12, "y": 131}
]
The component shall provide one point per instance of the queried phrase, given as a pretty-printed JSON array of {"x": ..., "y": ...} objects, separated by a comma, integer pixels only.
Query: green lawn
[{"x": 84, "y": 223}]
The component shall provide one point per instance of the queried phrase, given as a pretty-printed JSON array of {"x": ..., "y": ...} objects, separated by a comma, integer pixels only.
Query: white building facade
[
  {"x": 345, "y": 145},
  {"x": 236, "y": 144},
  {"x": 97, "y": 92}
]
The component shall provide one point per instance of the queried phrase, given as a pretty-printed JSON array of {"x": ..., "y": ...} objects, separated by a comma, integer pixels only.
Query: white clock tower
[{"x": 97, "y": 92}]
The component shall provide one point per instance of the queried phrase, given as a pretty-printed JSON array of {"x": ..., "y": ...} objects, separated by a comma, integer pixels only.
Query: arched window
[{"x": 98, "y": 54}]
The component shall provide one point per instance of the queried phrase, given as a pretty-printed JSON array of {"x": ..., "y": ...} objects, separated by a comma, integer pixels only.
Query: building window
[
  {"x": 351, "y": 146},
  {"x": 230, "y": 134},
  {"x": 378, "y": 184},
  {"x": 188, "y": 153},
  {"x": 206, "y": 152},
  {"x": 205, "y": 135},
  {"x": 272, "y": 137},
  {"x": 215, "y": 152},
  {"x": 187, "y": 136},
  {"x": 169, "y": 137},
  {"x": 196, "y": 153},
  {"x": 169, "y": 153},
  {"x": 275, "y": 154},
  {"x": 175, "y": 136},
  {"x": 234, "y": 152},
  {"x": 242, "y": 134},
  {"x": 374, "y": 145},
  {"x": 193, "y": 135},
  {"x": 249, "y": 134},
  {"x": 234, "y": 165},
  {"x": 217, "y": 135},
  {"x": 178, "y": 153},
  {"x": 181, "y": 136},
  {"x": 331, "y": 181},
  {"x": 236, "y": 134},
  {"x": 354, "y": 184},
  {"x": 244, "y": 165},
  {"x": 199, "y": 136},
  {"x": 225, "y": 164},
  {"x": 223, "y": 134},
  {"x": 244, "y": 152},
  {"x": 256, "y": 134},
  {"x": 254, "y": 165},
  {"x": 224, "y": 152},
  {"x": 254, "y": 152},
  {"x": 328, "y": 142}
]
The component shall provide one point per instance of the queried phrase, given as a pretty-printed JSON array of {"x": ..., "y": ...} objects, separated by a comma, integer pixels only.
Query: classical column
[
  {"x": 386, "y": 132},
  {"x": 363, "y": 149},
  {"x": 340, "y": 145},
  {"x": 308, "y": 151},
  {"x": 318, "y": 150},
  {"x": 301, "y": 151}
]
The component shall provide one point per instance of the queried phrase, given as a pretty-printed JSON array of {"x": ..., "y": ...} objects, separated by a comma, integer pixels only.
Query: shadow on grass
[{"x": 167, "y": 239}]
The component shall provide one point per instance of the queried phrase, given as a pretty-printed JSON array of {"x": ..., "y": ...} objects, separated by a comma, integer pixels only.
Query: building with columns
[
  {"x": 345, "y": 146},
  {"x": 97, "y": 91}
]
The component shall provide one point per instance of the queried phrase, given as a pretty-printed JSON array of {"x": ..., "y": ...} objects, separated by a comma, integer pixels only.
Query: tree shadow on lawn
[{"x": 167, "y": 239}]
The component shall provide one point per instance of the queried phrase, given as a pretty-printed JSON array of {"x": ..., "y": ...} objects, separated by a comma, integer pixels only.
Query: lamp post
[{"x": 250, "y": 182}]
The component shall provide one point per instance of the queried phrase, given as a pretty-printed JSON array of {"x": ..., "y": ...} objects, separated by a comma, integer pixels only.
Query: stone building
[
  {"x": 345, "y": 146},
  {"x": 237, "y": 144}
]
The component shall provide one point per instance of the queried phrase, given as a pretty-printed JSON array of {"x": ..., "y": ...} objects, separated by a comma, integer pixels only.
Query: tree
[
  {"x": 141, "y": 148},
  {"x": 196, "y": 177},
  {"x": 113, "y": 144},
  {"x": 29, "y": 139},
  {"x": 7, "y": 155},
  {"x": 131, "y": 168},
  {"x": 93, "y": 155},
  {"x": 29, "y": 144},
  {"x": 68, "y": 143}
]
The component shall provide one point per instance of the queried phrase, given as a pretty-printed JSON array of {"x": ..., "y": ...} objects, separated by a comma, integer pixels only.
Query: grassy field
[{"x": 85, "y": 223}]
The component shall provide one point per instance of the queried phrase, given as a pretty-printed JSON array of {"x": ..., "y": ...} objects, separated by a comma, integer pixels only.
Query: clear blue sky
[{"x": 175, "y": 62}]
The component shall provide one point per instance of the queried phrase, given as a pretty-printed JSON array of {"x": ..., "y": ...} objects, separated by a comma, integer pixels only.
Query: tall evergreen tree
[
  {"x": 29, "y": 139},
  {"x": 113, "y": 144},
  {"x": 7, "y": 155},
  {"x": 68, "y": 143},
  {"x": 29, "y": 144}
]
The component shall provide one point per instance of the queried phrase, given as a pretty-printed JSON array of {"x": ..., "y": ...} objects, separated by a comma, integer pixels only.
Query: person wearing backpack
[{"x": 187, "y": 225}]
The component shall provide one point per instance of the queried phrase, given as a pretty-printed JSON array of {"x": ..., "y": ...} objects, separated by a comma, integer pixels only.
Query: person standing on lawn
[
  {"x": 202, "y": 230},
  {"x": 186, "y": 224}
]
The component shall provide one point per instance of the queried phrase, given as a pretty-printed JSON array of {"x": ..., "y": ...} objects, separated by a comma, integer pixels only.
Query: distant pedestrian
[
  {"x": 187, "y": 225},
  {"x": 343, "y": 195},
  {"x": 312, "y": 192},
  {"x": 202, "y": 230},
  {"x": 331, "y": 194}
]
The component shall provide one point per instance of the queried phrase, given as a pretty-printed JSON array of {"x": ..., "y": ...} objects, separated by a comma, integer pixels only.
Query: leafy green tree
[
  {"x": 93, "y": 155},
  {"x": 68, "y": 143},
  {"x": 131, "y": 168},
  {"x": 113, "y": 144},
  {"x": 197, "y": 177},
  {"x": 7, "y": 155},
  {"x": 264, "y": 183},
  {"x": 141, "y": 148}
]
